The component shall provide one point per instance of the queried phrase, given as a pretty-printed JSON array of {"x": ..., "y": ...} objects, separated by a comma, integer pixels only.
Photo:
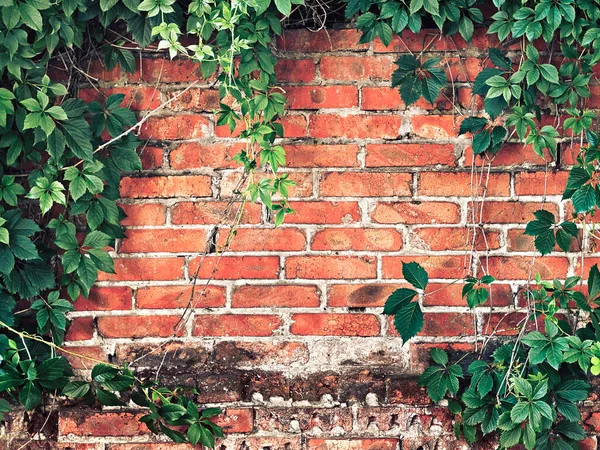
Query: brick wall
[{"x": 289, "y": 338}]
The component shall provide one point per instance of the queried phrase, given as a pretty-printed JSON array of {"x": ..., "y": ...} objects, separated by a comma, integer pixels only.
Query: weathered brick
[
  {"x": 91, "y": 423},
  {"x": 236, "y": 353},
  {"x": 376, "y": 239},
  {"x": 303, "y": 187},
  {"x": 144, "y": 214},
  {"x": 136, "y": 98},
  {"x": 166, "y": 186},
  {"x": 324, "y": 213},
  {"x": 81, "y": 329},
  {"x": 442, "y": 324},
  {"x": 359, "y": 295},
  {"x": 145, "y": 269},
  {"x": 295, "y": 70},
  {"x": 440, "y": 294},
  {"x": 434, "y": 127},
  {"x": 235, "y": 267},
  {"x": 105, "y": 299},
  {"x": 263, "y": 239},
  {"x": 524, "y": 268},
  {"x": 275, "y": 296},
  {"x": 451, "y": 266},
  {"x": 170, "y": 240},
  {"x": 360, "y": 184},
  {"x": 306, "y": 420},
  {"x": 335, "y": 324},
  {"x": 459, "y": 184},
  {"x": 194, "y": 99},
  {"x": 416, "y": 212},
  {"x": 330, "y": 267},
  {"x": 235, "y": 325},
  {"x": 352, "y": 444},
  {"x": 138, "y": 326},
  {"x": 409, "y": 155},
  {"x": 191, "y": 155},
  {"x": 209, "y": 212},
  {"x": 165, "y": 297},
  {"x": 355, "y": 126},
  {"x": 511, "y": 212},
  {"x": 321, "y": 155},
  {"x": 317, "y": 97},
  {"x": 540, "y": 183},
  {"x": 454, "y": 239},
  {"x": 303, "y": 40},
  {"x": 176, "y": 127},
  {"x": 352, "y": 68}
]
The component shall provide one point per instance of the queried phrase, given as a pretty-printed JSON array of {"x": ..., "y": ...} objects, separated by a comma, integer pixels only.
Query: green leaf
[
  {"x": 439, "y": 356},
  {"x": 31, "y": 16},
  {"x": 415, "y": 275},
  {"x": 398, "y": 299},
  {"x": 171, "y": 411},
  {"x": 409, "y": 321},
  {"x": 284, "y": 6},
  {"x": 30, "y": 396}
]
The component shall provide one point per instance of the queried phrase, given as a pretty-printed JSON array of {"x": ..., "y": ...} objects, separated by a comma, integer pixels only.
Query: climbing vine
[
  {"x": 61, "y": 160},
  {"x": 527, "y": 387}
]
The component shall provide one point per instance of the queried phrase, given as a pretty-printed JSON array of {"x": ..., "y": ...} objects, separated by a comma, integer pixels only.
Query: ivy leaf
[
  {"x": 409, "y": 321},
  {"x": 415, "y": 275},
  {"x": 30, "y": 396},
  {"x": 284, "y": 6},
  {"x": 398, "y": 299}
]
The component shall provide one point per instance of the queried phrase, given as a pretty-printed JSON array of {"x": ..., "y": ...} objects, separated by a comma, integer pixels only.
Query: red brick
[
  {"x": 511, "y": 212},
  {"x": 194, "y": 155},
  {"x": 91, "y": 423},
  {"x": 416, "y": 212},
  {"x": 144, "y": 214},
  {"x": 330, "y": 267},
  {"x": 235, "y": 325},
  {"x": 166, "y": 186},
  {"x": 353, "y": 68},
  {"x": 151, "y": 157},
  {"x": 410, "y": 155},
  {"x": 304, "y": 40},
  {"x": 335, "y": 324},
  {"x": 105, "y": 299},
  {"x": 324, "y": 213},
  {"x": 569, "y": 153},
  {"x": 361, "y": 184},
  {"x": 436, "y": 266},
  {"x": 236, "y": 267},
  {"x": 97, "y": 70},
  {"x": 355, "y": 126},
  {"x": 439, "y": 294},
  {"x": 317, "y": 97},
  {"x": 145, "y": 269},
  {"x": 275, "y": 296},
  {"x": 517, "y": 241},
  {"x": 352, "y": 444},
  {"x": 540, "y": 183},
  {"x": 84, "y": 357},
  {"x": 194, "y": 99},
  {"x": 294, "y": 126},
  {"x": 442, "y": 324},
  {"x": 321, "y": 155},
  {"x": 359, "y": 295},
  {"x": 509, "y": 155},
  {"x": 295, "y": 70},
  {"x": 204, "y": 213},
  {"x": 165, "y": 297},
  {"x": 136, "y": 98},
  {"x": 171, "y": 240},
  {"x": 81, "y": 329},
  {"x": 463, "y": 69},
  {"x": 434, "y": 127},
  {"x": 388, "y": 99},
  {"x": 454, "y": 239},
  {"x": 264, "y": 239},
  {"x": 459, "y": 184},
  {"x": 175, "y": 127},
  {"x": 302, "y": 188},
  {"x": 138, "y": 326},
  {"x": 376, "y": 239},
  {"x": 166, "y": 71},
  {"x": 521, "y": 268}
]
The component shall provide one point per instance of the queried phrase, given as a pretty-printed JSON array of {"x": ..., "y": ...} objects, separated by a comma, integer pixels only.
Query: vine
[{"x": 61, "y": 163}]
